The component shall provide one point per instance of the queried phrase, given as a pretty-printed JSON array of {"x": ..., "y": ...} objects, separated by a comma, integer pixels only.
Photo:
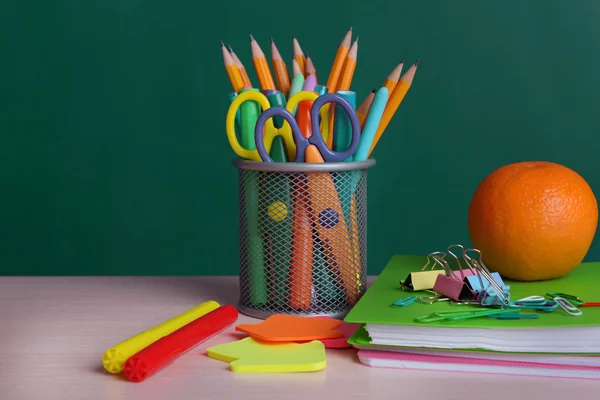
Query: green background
[{"x": 114, "y": 158}]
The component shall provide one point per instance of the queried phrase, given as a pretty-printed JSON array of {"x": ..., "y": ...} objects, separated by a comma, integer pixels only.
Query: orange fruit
[{"x": 533, "y": 220}]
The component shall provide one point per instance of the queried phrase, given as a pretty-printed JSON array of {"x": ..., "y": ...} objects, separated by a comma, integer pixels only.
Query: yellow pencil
[
  {"x": 392, "y": 79},
  {"x": 363, "y": 110},
  {"x": 299, "y": 55},
  {"x": 241, "y": 67},
  {"x": 232, "y": 70},
  {"x": 338, "y": 62},
  {"x": 350, "y": 65},
  {"x": 309, "y": 68},
  {"x": 394, "y": 102},
  {"x": 281, "y": 72},
  {"x": 265, "y": 79}
]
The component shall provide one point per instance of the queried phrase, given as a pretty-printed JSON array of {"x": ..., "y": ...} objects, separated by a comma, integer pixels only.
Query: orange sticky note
[{"x": 291, "y": 328}]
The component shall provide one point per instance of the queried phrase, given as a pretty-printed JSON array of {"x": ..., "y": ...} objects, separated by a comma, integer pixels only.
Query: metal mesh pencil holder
[{"x": 303, "y": 237}]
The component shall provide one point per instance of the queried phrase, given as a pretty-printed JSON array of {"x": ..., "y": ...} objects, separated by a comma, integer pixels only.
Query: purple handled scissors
[{"x": 316, "y": 139}]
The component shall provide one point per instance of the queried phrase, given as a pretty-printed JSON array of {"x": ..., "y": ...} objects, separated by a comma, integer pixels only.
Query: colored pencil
[
  {"x": 241, "y": 67},
  {"x": 281, "y": 72},
  {"x": 338, "y": 62},
  {"x": 265, "y": 79},
  {"x": 363, "y": 109},
  {"x": 392, "y": 79},
  {"x": 299, "y": 55},
  {"x": 394, "y": 102},
  {"x": 296, "y": 68},
  {"x": 232, "y": 70},
  {"x": 310, "y": 68},
  {"x": 350, "y": 65}
]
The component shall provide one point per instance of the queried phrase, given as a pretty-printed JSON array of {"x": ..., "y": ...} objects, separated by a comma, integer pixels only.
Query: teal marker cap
[{"x": 321, "y": 90}]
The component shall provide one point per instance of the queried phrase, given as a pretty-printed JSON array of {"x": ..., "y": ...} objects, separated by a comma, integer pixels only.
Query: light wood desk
[{"x": 54, "y": 330}]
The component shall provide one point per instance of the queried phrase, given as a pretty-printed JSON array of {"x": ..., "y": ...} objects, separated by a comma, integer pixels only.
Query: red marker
[{"x": 159, "y": 354}]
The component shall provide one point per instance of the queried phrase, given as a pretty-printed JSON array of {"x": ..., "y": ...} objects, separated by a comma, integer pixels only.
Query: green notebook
[{"x": 555, "y": 332}]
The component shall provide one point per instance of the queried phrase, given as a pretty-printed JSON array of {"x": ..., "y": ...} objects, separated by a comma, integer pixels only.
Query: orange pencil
[
  {"x": 281, "y": 72},
  {"x": 348, "y": 72},
  {"x": 309, "y": 68},
  {"x": 241, "y": 67},
  {"x": 338, "y": 62},
  {"x": 392, "y": 79},
  {"x": 363, "y": 110},
  {"x": 265, "y": 79},
  {"x": 232, "y": 70},
  {"x": 299, "y": 55},
  {"x": 394, "y": 102}
]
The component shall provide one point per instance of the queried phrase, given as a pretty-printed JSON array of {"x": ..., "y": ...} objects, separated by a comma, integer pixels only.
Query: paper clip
[
  {"x": 422, "y": 279},
  {"x": 567, "y": 306},
  {"x": 452, "y": 284},
  {"x": 534, "y": 303},
  {"x": 405, "y": 301},
  {"x": 574, "y": 300},
  {"x": 460, "y": 315},
  {"x": 496, "y": 293},
  {"x": 431, "y": 299},
  {"x": 516, "y": 315}
]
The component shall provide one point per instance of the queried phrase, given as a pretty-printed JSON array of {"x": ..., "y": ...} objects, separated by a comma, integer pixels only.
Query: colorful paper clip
[
  {"x": 574, "y": 300},
  {"x": 423, "y": 280},
  {"x": 534, "y": 303},
  {"x": 567, "y": 306},
  {"x": 405, "y": 301},
  {"x": 460, "y": 315},
  {"x": 515, "y": 315}
]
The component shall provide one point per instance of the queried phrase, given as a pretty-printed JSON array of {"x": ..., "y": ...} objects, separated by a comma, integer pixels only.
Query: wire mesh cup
[{"x": 303, "y": 237}]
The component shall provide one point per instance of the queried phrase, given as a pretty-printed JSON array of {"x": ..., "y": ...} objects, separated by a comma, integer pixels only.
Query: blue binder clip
[{"x": 490, "y": 289}]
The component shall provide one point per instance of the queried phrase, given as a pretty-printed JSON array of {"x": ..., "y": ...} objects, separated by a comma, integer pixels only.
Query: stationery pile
[{"x": 539, "y": 328}]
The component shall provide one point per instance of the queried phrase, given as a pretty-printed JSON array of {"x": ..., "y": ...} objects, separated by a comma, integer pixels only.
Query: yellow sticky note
[
  {"x": 115, "y": 357},
  {"x": 250, "y": 355}
]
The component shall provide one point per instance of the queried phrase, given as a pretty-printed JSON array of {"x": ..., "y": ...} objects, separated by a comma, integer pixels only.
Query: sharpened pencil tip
[
  {"x": 251, "y": 38},
  {"x": 350, "y": 28},
  {"x": 222, "y": 44},
  {"x": 373, "y": 91},
  {"x": 402, "y": 62},
  {"x": 272, "y": 41},
  {"x": 417, "y": 62},
  {"x": 230, "y": 48}
]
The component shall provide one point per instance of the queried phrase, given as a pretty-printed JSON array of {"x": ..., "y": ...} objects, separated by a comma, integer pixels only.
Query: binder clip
[
  {"x": 423, "y": 280},
  {"x": 488, "y": 287},
  {"x": 453, "y": 283}
]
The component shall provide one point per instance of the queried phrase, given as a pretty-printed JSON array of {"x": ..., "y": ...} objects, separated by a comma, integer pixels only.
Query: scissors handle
[
  {"x": 260, "y": 128},
  {"x": 317, "y": 138},
  {"x": 263, "y": 102}
]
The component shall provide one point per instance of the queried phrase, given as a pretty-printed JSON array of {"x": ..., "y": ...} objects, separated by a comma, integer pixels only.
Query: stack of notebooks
[{"x": 555, "y": 345}]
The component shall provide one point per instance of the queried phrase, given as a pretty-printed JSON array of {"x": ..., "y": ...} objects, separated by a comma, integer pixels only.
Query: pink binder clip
[{"x": 453, "y": 283}]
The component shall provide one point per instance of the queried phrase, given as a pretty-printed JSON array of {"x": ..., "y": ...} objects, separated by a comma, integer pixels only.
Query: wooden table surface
[{"x": 54, "y": 330}]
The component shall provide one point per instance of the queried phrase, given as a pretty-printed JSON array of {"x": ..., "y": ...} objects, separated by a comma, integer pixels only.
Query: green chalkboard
[{"x": 114, "y": 159}]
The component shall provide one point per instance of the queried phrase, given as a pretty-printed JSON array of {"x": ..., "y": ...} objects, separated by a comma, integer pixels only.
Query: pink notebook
[{"x": 392, "y": 359}]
